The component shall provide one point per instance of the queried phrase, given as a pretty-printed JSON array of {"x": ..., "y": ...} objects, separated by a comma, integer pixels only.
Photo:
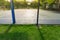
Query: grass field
[{"x": 29, "y": 32}]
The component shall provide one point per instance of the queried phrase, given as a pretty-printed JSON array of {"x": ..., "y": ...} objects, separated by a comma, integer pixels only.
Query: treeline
[
  {"x": 4, "y": 4},
  {"x": 25, "y": 5},
  {"x": 45, "y": 4},
  {"x": 50, "y": 4}
]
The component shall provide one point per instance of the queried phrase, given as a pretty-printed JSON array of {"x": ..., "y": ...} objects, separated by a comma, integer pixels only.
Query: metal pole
[
  {"x": 38, "y": 13},
  {"x": 12, "y": 10},
  {"x": 42, "y": 38}
]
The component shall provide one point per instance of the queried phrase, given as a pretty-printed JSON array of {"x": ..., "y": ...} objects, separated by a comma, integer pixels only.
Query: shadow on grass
[
  {"x": 9, "y": 27},
  {"x": 40, "y": 33},
  {"x": 14, "y": 36}
]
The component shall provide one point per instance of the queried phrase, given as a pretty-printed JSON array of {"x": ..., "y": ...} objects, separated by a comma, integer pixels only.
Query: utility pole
[{"x": 12, "y": 10}]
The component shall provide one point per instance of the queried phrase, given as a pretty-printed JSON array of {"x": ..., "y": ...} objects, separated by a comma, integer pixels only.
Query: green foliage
[
  {"x": 48, "y": 1},
  {"x": 24, "y": 4},
  {"x": 1, "y": 2}
]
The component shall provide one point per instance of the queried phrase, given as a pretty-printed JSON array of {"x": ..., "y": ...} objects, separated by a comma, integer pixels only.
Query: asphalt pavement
[{"x": 29, "y": 16}]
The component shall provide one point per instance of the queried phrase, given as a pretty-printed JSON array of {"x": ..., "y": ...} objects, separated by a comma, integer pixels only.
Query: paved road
[{"x": 28, "y": 16}]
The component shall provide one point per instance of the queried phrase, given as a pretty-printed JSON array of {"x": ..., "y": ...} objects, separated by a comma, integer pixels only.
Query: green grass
[
  {"x": 19, "y": 32},
  {"x": 29, "y": 32},
  {"x": 51, "y": 32}
]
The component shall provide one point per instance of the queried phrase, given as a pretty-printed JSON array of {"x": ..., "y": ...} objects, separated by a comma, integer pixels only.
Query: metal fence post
[
  {"x": 38, "y": 13},
  {"x": 12, "y": 10}
]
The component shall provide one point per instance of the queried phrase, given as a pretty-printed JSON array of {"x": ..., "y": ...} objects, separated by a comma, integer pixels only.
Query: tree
[{"x": 2, "y": 2}]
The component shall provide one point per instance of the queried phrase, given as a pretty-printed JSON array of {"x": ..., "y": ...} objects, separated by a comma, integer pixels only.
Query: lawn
[{"x": 29, "y": 32}]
